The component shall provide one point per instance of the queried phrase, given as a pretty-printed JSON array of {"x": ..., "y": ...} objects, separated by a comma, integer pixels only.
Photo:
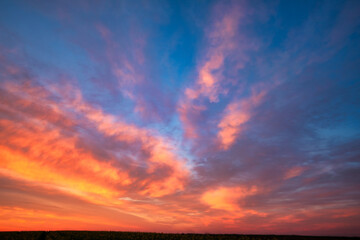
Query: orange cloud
[
  {"x": 236, "y": 115},
  {"x": 227, "y": 198},
  {"x": 52, "y": 155},
  {"x": 53, "y": 160},
  {"x": 222, "y": 42},
  {"x": 294, "y": 172},
  {"x": 38, "y": 148},
  {"x": 159, "y": 149},
  {"x": 209, "y": 82}
]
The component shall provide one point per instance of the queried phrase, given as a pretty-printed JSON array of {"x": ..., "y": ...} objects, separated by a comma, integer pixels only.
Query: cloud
[
  {"x": 294, "y": 172},
  {"x": 237, "y": 113},
  {"x": 132, "y": 72},
  {"x": 223, "y": 42},
  {"x": 227, "y": 198},
  {"x": 41, "y": 144}
]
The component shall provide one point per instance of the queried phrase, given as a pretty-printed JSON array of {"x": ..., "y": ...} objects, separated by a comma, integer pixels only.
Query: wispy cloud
[
  {"x": 236, "y": 115},
  {"x": 223, "y": 41}
]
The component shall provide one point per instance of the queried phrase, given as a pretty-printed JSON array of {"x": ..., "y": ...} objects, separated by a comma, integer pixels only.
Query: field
[{"x": 89, "y": 235}]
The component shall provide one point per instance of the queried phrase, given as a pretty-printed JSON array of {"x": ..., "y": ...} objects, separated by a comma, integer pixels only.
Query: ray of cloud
[
  {"x": 237, "y": 113},
  {"x": 222, "y": 39}
]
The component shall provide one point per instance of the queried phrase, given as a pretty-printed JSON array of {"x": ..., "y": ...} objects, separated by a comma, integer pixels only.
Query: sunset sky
[{"x": 180, "y": 116}]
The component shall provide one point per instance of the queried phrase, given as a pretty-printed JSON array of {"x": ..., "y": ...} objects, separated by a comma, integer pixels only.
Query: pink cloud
[
  {"x": 221, "y": 42},
  {"x": 225, "y": 52},
  {"x": 294, "y": 172},
  {"x": 236, "y": 114}
]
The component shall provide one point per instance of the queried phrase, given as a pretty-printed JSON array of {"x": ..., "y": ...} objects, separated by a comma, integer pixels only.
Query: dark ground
[{"x": 74, "y": 235}]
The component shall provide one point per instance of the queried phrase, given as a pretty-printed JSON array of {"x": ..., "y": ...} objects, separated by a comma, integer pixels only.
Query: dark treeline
[{"x": 90, "y": 235}]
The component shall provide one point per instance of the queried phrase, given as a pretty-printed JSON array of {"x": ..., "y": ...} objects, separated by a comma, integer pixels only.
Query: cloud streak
[{"x": 222, "y": 39}]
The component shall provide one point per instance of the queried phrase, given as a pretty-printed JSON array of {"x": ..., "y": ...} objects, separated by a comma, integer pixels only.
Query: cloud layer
[{"x": 223, "y": 117}]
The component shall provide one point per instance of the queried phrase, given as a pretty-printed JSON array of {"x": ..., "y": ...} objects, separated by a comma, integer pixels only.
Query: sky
[{"x": 180, "y": 116}]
